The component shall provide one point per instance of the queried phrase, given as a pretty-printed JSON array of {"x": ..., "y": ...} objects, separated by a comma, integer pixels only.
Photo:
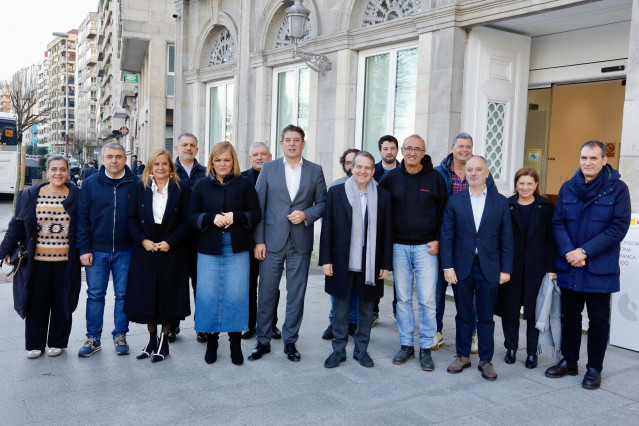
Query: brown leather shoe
[
  {"x": 487, "y": 370},
  {"x": 459, "y": 364}
]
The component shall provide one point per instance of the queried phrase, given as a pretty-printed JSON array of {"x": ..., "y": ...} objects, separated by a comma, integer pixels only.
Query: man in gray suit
[{"x": 292, "y": 193}]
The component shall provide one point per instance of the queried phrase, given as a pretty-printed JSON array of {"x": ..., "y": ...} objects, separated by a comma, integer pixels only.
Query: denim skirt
[{"x": 221, "y": 300}]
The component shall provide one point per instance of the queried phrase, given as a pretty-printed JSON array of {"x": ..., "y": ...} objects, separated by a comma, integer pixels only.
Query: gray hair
[
  {"x": 415, "y": 135},
  {"x": 462, "y": 135},
  {"x": 363, "y": 154},
  {"x": 187, "y": 135},
  {"x": 477, "y": 156},
  {"x": 256, "y": 144},
  {"x": 593, "y": 144},
  {"x": 113, "y": 145},
  {"x": 56, "y": 157}
]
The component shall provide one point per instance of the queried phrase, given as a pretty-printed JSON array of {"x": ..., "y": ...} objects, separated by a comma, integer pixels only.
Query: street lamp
[
  {"x": 297, "y": 16},
  {"x": 65, "y": 36}
]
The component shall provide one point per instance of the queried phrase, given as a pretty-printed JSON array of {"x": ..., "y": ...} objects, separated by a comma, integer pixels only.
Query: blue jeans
[
  {"x": 354, "y": 307},
  {"x": 413, "y": 263},
  {"x": 97, "y": 282}
]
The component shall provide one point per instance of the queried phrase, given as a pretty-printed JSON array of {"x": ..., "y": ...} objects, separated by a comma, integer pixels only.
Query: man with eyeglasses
[
  {"x": 346, "y": 161},
  {"x": 418, "y": 195}
]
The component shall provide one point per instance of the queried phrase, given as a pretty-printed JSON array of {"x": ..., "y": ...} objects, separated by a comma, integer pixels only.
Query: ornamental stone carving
[
  {"x": 380, "y": 11},
  {"x": 222, "y": 49}
]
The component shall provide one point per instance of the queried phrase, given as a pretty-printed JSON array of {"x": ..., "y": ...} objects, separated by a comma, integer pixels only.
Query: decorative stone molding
[
  {"x": 202, "y": 51},
  {"x": 380, "y": 11},
  {"x": 222, "y": 49}
]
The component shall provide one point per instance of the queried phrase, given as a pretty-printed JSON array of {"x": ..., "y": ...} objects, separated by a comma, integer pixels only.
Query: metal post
[{"x": 66, "y": 96}]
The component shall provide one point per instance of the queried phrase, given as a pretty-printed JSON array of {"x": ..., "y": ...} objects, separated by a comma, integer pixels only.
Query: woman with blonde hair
[
  {"x": 223, "y": 210},
  {"x": 46, "y": 284},
  {"x": 158, "y": 281}
]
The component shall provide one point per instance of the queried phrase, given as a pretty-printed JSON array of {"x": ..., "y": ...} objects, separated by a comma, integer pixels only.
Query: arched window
[
  {"x": 380, "y": 11},
  {"x": 281, "y": 39},
  {"x": 222, "y": 49}
]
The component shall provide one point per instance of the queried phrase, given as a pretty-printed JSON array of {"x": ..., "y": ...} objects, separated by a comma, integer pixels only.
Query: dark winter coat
[
  {"x": 210, "y": 198},
  {"x": 597, "y": 221},
  {"x": 197, "y": 172},
  {"x": 102, "y": 213},
  {"x": 158, "y": 282},
  {"x": 252, "y": 174},
  {"x": 418, "y": 201},
  {"x": 534, "y": 256},
  {"x": 335, "y": 241},
  {"x": 23, "y": 228}
]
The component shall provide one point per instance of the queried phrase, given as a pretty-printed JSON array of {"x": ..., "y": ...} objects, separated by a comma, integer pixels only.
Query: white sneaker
[
  {"x": 54, "y": 351},
  {"x": 474, "y": 345},
  {"x": 438, "y": 341},
  {"x": 34, "y": 354}
]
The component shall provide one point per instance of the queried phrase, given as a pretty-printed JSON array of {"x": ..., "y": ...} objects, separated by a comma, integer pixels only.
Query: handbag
[{"x": 18, "y": 257}]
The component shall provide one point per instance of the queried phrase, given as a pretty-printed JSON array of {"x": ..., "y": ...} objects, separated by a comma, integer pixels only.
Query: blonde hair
[
  {"x": 217, "y": 150},
  {"x": 147, "y": 175}
]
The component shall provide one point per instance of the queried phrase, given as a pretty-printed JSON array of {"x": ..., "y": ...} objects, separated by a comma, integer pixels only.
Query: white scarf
[{"x": 357, "y": 239}]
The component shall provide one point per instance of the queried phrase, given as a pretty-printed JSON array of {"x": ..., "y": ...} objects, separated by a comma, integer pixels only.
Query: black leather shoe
[
  {"x": 511, "y": 356},
  {"x": 328, "y": 333},
  {"x": 561, "y": 369},
  {"x": 171, "y": 336},
  {"x": 259, "y": 350},
  {"x": 291, "y": 352},
  {"x": 531, "y": 361},
  {"x": 592, "y": 379},
  {"x": 334, "y": 359},
  {"x": 276, "y": 333},
  {"x": 201, "y": 337},
  {"x": 364, "y": 358},
  {"x": 248, "y": 334}
]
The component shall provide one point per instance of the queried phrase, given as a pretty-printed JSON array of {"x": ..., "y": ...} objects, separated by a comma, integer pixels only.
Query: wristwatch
[{"x": 584, "y": 252}]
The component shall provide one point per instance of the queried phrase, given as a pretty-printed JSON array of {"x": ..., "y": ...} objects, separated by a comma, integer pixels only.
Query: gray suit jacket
[{"x": 275, "y": 202}]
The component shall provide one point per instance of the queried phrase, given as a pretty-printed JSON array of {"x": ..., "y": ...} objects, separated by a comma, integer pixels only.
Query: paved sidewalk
[{"x": 183, "y": 389}]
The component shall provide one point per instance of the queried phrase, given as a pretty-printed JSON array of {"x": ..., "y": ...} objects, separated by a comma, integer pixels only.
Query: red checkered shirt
[{"x": 458, "y": 184}]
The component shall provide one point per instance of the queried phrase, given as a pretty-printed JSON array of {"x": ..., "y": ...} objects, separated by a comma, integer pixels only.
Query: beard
[
  {"x": 349, "y": 173},
  {"x": 389, "y": 160}
]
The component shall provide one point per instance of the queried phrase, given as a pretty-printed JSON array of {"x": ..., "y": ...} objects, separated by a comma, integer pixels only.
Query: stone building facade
[{"x": 504, "y": 71}]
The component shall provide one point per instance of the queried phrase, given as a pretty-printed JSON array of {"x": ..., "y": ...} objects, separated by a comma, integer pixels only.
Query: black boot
[
  {"x": 163, "y": 349},
  {"x": 150, "y": 347},
  {"x": 211, "y": 348},
  {"x": 237, "y": 357}
]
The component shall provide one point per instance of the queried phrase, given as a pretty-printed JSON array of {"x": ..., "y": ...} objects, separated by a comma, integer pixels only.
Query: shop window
[
  {"x": 386, "y": 98},
  {"x": 290, "y": 102},
  {"x": 219, "y": 106}
]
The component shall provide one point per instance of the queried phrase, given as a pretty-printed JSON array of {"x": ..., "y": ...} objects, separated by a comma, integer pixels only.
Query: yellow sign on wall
[{"x": 8, "y": 133}]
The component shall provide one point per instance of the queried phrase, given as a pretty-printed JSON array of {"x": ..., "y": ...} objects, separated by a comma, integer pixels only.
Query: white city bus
[{"x": 8, "y": 153}]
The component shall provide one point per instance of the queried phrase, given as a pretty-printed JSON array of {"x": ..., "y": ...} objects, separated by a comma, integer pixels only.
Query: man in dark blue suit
[{"x": 477, "y": 256}]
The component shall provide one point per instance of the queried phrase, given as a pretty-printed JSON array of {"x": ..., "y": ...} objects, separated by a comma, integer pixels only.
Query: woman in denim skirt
[{"x": 223, "y": 210}]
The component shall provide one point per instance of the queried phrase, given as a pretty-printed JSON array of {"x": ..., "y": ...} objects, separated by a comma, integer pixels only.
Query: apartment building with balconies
[
  {"x": 62, "y": 61},
  {"x": 86, "y": 96}
]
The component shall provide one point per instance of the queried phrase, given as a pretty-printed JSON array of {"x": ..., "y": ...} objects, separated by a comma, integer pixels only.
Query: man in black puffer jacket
[{"x": 419, "y": 196}]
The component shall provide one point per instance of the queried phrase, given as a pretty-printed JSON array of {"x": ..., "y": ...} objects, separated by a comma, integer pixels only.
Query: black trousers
[
  {"x": 511, "y": 335},
  {"x": 341, "y": 316},
  {"x": 484, "y": 293},
  {"x": 192, "y": 243},
  {"x": 253, "y": 277},
  {"x": 598, "y": 305},
  {"x": 46, "y": 323}
]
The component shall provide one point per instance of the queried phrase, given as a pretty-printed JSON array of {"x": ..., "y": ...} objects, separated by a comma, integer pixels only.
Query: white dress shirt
[
  {"x": 293, "y": 177},
  {"x": 477, "y": 204},
  {"x": 159, "y": 201}
]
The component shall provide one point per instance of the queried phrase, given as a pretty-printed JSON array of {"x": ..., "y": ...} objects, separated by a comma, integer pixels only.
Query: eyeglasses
[{"x": 416, "y": 150}]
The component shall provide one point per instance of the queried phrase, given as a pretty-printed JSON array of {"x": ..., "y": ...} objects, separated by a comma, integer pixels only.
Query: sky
[{"x": 26, "y": 27}]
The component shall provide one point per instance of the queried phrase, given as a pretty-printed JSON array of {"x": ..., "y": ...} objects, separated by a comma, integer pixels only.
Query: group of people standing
[{"x": 222, "y": 229}]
